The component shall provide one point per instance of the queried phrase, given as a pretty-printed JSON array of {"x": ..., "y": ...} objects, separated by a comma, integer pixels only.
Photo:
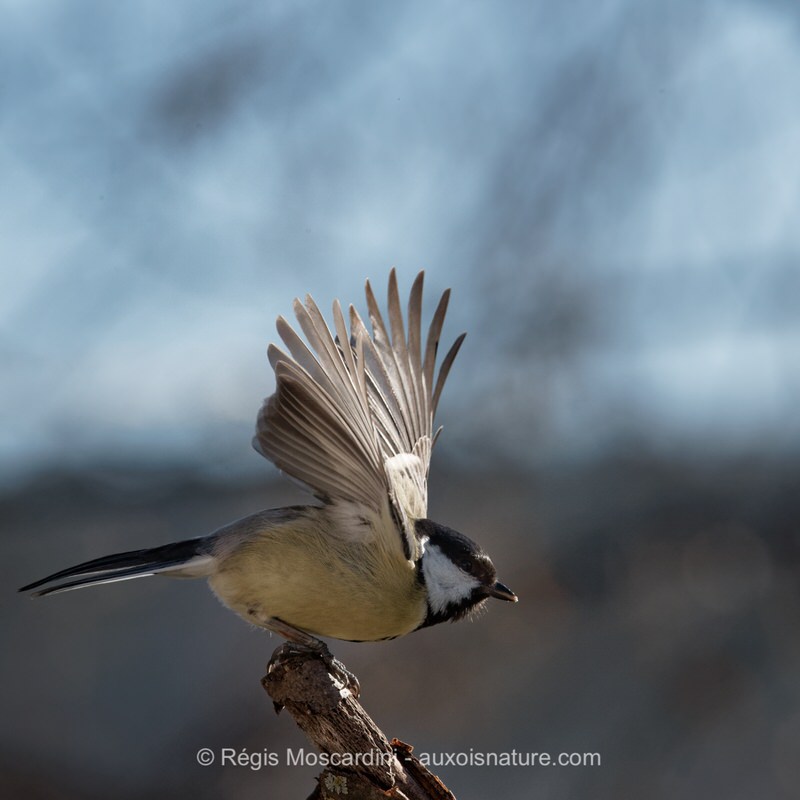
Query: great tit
[{"x": 351, "y": 419}]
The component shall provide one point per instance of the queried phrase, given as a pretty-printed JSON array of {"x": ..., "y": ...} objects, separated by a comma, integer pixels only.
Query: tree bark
[{"x": 360, "y": 762}]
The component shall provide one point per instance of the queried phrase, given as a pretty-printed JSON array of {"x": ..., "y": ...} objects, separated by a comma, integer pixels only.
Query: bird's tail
[{"x": 188, "y": 559}]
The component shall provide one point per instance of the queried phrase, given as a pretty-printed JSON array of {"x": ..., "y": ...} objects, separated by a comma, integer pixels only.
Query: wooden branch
[{"x": 361, "y": 763}]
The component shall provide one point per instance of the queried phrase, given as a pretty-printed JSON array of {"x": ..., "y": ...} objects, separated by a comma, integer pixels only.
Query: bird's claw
[
  {"x": 336, "y": 669},
  {"x": 340, "y": 673}
]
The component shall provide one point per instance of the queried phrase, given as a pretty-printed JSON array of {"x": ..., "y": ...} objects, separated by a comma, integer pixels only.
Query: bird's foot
[
  {"x": 340, "y": 673},
  {"x": 301, "y": 643}
]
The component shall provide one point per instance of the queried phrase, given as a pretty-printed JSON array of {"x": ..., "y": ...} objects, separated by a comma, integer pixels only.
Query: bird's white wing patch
[{"x": 407, "y": 474}]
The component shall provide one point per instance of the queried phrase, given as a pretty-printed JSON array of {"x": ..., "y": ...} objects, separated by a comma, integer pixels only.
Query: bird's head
[{"x": 458, "y": 576}]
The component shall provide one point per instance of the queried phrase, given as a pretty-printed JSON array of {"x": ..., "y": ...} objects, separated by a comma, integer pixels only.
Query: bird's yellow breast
[{"x": 322, "y": 581}]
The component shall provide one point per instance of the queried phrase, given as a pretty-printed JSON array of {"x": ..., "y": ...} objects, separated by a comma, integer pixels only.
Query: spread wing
[{"x": 352, "y": 413}]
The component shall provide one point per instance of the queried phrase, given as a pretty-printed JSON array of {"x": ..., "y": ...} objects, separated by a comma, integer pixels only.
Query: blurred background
[{"x": 612, "y": 191}]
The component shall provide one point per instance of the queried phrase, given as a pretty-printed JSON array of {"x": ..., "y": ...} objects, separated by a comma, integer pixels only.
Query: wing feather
[
  {"x": 400, "y": 352},
  {"x": 415, "y": 347},
  {"x": 387, "y": 413},
  {"x": 444, "y": 370},
  {"x": 385, "y": 363},
  {"x": 352, "y": 412}
]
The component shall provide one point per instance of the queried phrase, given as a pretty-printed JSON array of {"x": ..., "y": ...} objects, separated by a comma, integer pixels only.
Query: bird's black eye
[{"x": 465, "y": 564}]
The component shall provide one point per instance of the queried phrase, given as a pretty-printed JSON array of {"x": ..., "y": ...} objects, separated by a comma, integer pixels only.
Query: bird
[{"x": 352, "y": 420}]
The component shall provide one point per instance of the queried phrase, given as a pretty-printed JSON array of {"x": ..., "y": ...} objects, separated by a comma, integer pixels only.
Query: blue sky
[{"x": 611, "y": 189}]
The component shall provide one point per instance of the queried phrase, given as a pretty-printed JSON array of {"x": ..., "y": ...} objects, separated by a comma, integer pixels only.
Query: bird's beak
[{"x": 502, "y": 592}]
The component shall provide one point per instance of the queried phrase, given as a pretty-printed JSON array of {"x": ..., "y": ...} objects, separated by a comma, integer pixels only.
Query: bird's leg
[{"x": 306, "y": 642}]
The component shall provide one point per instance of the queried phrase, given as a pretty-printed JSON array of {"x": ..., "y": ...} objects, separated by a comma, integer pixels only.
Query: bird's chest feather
[{"x": 325, "y": 585}]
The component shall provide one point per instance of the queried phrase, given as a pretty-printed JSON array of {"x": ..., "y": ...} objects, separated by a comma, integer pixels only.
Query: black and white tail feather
[{"x": 188, "y": 559}]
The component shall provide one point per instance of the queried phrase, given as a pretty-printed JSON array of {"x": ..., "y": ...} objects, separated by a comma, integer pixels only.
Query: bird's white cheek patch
[{"x": 444, "y": 581}]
